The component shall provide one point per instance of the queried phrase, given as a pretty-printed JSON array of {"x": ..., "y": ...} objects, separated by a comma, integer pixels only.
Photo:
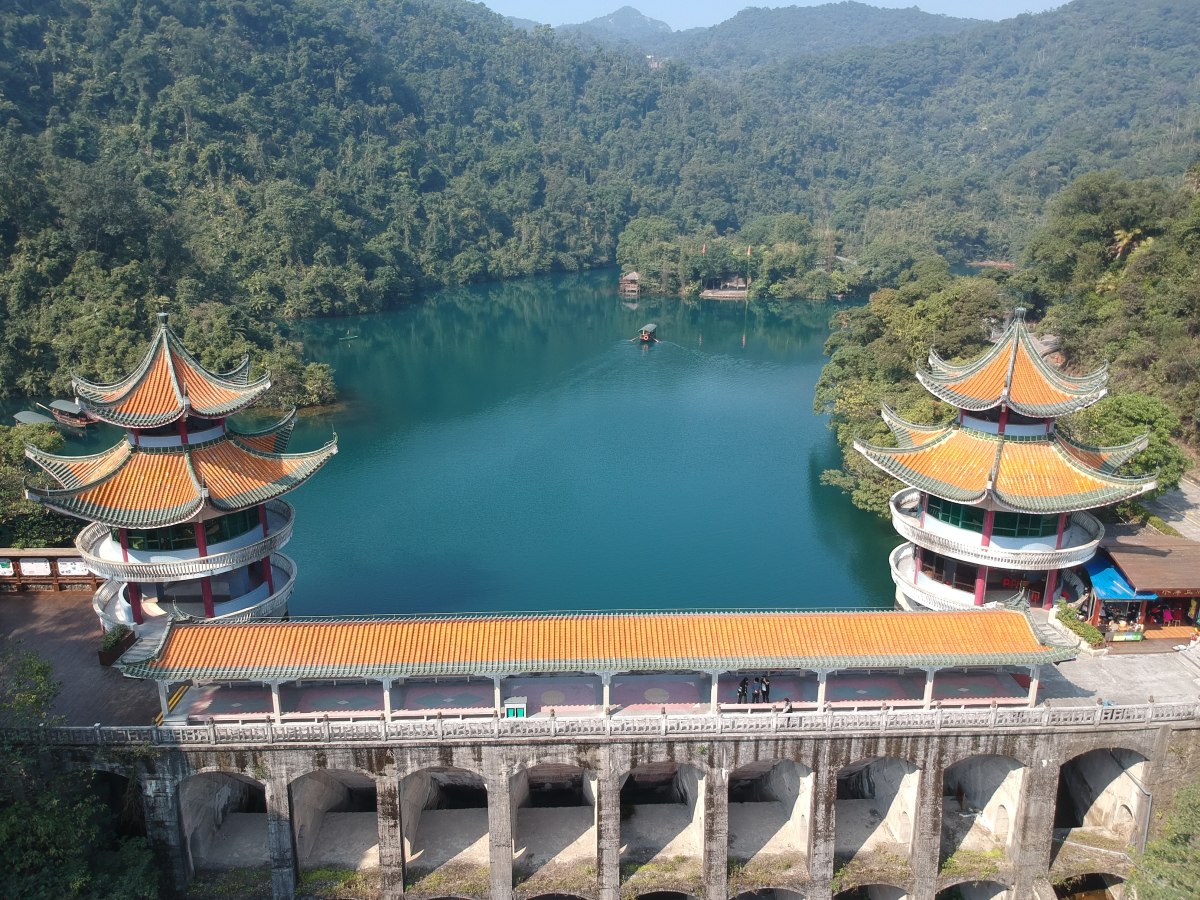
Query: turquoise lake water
[{"x": 505, "y": 447}]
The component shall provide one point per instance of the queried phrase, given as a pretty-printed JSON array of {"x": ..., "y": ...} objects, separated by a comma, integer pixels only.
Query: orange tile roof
[
  {"x": 75, "y": 471},
  {"x": 156, "y": 487},
  {"x": 166, "y": 386},
  {"x": 237, "y": 476},
  {"x": 1028, "y": 475},
  {"x": 513, "y": 644},
  {"x": 1014, "y": 374}
]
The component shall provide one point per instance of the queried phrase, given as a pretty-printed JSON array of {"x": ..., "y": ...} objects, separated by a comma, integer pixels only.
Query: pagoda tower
[
  {"x": 185, "y": 511},
  {"x": 996, "y": 504}
]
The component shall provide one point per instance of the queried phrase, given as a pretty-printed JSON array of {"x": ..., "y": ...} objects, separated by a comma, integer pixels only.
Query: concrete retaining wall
[{"x": 184, "y": 813}]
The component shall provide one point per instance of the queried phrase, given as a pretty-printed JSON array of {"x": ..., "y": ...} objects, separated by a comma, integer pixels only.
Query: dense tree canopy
[
  {"x": 252, "y": 160},
  {"x": 57, "y": 839}
]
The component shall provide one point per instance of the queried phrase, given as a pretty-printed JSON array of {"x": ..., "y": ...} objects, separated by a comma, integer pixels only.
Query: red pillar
[
  {"x": 123, "y": 537},
  {"x": 1051, "y": 584},
  {"x": 206, "y": 581},
  {"x": 134, "y": 594},
  {"x": 268, "y": 576},
  {"x": 989, "y": 522},
  {"x": 262, "y": 518},
  {"x": 980, "y": 584},
  {"x": 1062, "y": 530},
  {"x": 1003, "y": 419}
]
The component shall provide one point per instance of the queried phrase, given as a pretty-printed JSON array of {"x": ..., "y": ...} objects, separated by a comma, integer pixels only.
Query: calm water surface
[{"x": 505, "y": 447}]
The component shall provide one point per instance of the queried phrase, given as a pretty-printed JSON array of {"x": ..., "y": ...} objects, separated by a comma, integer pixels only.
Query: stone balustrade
[{"x": 325, "y": 731}]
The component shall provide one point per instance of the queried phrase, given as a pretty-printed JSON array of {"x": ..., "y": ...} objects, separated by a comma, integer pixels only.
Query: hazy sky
[{"x": 691, "y": 13}]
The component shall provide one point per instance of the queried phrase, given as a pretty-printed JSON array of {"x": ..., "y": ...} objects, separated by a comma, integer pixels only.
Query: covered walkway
[{"x": 593, "y": 665}]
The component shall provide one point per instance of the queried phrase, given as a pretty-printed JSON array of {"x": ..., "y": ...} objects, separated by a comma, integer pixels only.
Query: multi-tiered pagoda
[
  {"x": 996, "y": 503},
  {"x": 185, "y": 511}
]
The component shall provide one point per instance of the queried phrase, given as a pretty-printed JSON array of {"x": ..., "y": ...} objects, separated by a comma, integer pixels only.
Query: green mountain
[{"x": 256, "y": 159}]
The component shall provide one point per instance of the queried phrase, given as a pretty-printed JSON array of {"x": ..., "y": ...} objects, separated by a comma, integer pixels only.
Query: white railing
[
  {"x": 931, "y": 595},
  {"x": 104, "y": 601},
  {"x": 280, "y": 518},
  {"x": 1083, "y": 528},
  {"x": 326, "y": 731},
  {"x": 274, "y": 605}
]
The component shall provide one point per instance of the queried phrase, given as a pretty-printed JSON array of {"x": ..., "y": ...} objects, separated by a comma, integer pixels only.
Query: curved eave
[
  {"x": 891, "y": 461},
  {"x": 75, "y": 471},
  {"x": 1021, "y": 379},
  {"x": 105, "y": 402},
  {"x": 307, "y": 465},
  {"x": 69, "y": 503},
  {"x": 272, "y": 439},
  {"x": 94, "y": 393},
  {"x": 1103, "y": 459},
  {"x": 910, "y": 434},
  {"x": 89, "y": 501},
  {"x": 1113, "y": 489}
]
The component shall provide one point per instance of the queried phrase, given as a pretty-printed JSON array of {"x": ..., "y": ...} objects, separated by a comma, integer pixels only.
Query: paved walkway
[
  {"x": 63, "y": 629},
  {"x": 1180, "y": 508}
]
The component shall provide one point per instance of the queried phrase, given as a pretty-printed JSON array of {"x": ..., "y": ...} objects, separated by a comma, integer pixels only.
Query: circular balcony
[
  {"x": 102, "y": 555},
  {"x": 923, "y": 592},
  {"x": 112, "y": 606},
  {"x": 1080, "y": 540}
]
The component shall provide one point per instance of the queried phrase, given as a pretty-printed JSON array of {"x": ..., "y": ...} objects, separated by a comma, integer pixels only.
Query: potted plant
[{"x": 115, "y": 642}]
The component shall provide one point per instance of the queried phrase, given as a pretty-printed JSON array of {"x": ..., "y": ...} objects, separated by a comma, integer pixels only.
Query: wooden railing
[
  {"x": 327, "y": 731},
  {"x": 905, "y": 507},
  {"x": 53, "y": 578}
]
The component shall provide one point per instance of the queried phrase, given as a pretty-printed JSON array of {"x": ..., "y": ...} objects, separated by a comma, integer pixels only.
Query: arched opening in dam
[
  {"x": 1102, "y": 792},
  {"x": 444, "y": 820},
  {"x": 662, "y": 813},
  {"x": 770, "y": 803},
  {"x": 876, "y": 807},
  {"x": 334, "y": 820},
  {"x": 122, "y": 800},
  {"x": 554, "y": 807},
  {"x": 979, "y": 799},
  {"x": 224, "y": 819}
]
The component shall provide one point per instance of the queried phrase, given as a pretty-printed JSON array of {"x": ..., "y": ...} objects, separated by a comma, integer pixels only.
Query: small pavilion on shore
[{"x": 593, "y": 665}]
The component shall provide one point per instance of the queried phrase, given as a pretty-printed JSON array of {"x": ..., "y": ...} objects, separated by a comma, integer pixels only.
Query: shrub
[
  {"x": 1086, "y": 630},
  {"x": 113, "y": 636}
]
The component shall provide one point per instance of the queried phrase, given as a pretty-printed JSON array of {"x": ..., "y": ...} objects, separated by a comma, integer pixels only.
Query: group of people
[{"x": 761, "y": 693}]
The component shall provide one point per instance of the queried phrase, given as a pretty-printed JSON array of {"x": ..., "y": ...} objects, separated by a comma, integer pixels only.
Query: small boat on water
[
  {"x": 648, "y": 334},
  {"x": 69, "y": 413},
  {"x": 29, "y": 417}
]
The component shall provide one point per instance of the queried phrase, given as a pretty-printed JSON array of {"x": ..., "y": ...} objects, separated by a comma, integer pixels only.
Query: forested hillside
[
  {"x": 249, "y": 160},
  {"x": 1114, "y": 274}
]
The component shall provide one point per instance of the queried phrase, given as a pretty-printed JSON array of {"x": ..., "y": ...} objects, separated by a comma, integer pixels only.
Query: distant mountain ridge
[{"x": 756, "y": 36}]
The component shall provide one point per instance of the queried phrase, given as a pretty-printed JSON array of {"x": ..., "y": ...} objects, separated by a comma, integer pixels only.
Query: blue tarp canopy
[{"x": 1108, "y": 582}]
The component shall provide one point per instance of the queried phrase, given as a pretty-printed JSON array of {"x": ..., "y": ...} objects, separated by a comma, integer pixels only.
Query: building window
[
  {"x": 183, "y": 537},
  {"x": 956, "y": 514},
  {"x": 1010, "y": 524}
]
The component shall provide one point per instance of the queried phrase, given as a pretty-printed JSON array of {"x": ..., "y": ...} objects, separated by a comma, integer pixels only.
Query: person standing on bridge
[
  {"x": 743, "y": 685},
  {"x": 757, "y": 689},
  {"x": 766, "y": 688}
]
